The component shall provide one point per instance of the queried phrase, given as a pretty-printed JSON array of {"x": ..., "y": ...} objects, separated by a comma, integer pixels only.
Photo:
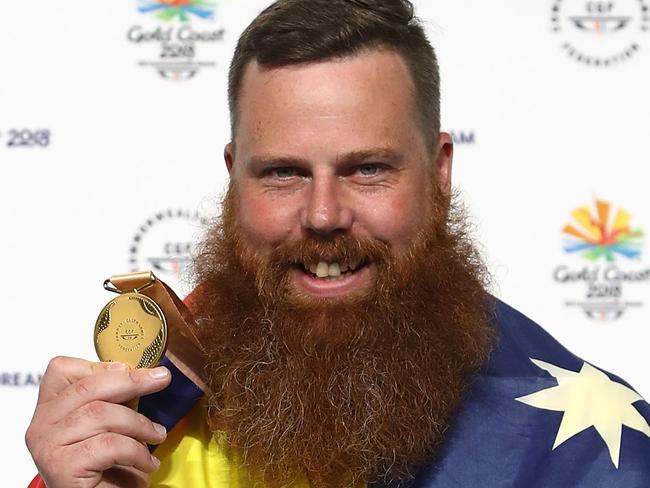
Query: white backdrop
[{"x": 111, "y": 139}]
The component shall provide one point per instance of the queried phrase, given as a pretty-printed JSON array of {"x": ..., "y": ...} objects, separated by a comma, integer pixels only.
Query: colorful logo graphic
[
  {"x": 168, "y": 10},
  {"x": 600, "y": 235},
  {"x": 182, "y": 41}
]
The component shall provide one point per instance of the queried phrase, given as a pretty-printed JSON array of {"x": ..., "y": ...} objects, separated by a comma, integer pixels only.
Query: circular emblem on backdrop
[
  {"x": 601, "y": 33},
  {"x": 164, "y": 243}
]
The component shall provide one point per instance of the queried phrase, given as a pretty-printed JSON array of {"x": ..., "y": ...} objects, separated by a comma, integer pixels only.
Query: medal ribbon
[{"x": 184, "y": 349}]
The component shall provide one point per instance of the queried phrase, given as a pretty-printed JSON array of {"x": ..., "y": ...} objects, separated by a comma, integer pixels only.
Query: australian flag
[{"x": 537, "y": 416}]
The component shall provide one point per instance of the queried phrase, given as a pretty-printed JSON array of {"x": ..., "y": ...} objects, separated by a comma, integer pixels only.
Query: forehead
[{"x": 370, "y": 94}]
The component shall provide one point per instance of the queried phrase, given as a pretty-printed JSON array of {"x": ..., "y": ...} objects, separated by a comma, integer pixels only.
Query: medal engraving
[{"x": 131, "y": 329}]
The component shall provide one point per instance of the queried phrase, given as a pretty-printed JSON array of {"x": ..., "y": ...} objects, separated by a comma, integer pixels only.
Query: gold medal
[{"x": 131, "y": 329}]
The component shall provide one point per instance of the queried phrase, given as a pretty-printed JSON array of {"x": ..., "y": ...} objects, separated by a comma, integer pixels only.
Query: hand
[{"x": 82, "y": 437}]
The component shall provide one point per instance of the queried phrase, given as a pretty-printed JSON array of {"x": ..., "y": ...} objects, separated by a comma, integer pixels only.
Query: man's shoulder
[
  {"x": 518, "y": 340},
  {"x": 522, "y": 347},
  {"x": 538, "y": 415}
]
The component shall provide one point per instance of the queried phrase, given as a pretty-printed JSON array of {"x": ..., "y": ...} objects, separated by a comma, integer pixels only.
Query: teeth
[
  {"x": 334, "y": 270},
  {"x": 322, "y": 270}
]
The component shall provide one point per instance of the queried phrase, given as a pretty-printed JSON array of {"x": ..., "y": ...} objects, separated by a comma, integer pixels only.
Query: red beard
[{"x": 340, "y": 391}]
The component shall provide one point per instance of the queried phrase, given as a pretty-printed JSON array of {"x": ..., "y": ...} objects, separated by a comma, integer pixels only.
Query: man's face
[
  {"x": 333, "y": 148},
  {"x": 351, "y": 377}
]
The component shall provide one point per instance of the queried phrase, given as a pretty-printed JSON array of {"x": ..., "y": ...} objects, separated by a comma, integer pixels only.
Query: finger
[
  {"x": 63, "y": 371},
  {"x": 107, "y": 386},
  {"x": 124, "y": 476},
  {"x": 104, "y": 451},
  {"x": 99, "y": 417}
]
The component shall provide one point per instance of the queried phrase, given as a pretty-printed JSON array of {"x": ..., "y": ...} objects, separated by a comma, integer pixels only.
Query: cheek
[
  {"x": 266, "y": 221},
  {"x": 395, "y": 220}
]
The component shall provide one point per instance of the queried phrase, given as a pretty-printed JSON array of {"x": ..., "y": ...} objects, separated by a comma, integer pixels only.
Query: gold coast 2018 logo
[
  {"x": 609, "y": 248},
  {"x": 601, "y": 33},
  {"x": 175, "y": 34}
]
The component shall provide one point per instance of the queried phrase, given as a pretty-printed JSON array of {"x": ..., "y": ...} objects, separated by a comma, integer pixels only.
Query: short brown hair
[{"x": 302, "y": 31}]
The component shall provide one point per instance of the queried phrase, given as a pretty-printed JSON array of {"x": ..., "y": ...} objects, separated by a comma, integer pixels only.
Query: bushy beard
[{"x": 340, "y": 391}]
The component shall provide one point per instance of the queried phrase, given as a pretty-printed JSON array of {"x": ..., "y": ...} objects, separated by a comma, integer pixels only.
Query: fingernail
[
  {"x": 155, "y": 461},
  {"x": 117, "y": 367},
  {"x": 160, "y": 429},
  {"x": 159, "y": 373}
]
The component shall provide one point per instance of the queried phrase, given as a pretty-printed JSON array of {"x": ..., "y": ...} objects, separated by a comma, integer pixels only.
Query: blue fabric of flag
[{"x": 498, "y": 442}]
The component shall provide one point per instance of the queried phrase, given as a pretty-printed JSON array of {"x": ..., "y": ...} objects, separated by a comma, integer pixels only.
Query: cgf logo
[
  {"x": 164, "y": 244},
  {"x": 601, "y": 18},
  {"x": 601, "y": 34}
]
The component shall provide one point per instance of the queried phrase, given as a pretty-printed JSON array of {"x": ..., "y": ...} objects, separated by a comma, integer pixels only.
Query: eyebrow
[
  {"x": 275, "y": 161},
  {"x": 386, "y": 154}
]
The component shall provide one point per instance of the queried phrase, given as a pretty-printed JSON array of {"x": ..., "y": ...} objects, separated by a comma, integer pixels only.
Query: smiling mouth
[
  {"x": 333, "y": 279},
  {"x": 333, "y": 270}
]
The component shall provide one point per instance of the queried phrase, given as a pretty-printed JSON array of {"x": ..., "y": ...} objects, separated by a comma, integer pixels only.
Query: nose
[{"x": 326, "y": 211}]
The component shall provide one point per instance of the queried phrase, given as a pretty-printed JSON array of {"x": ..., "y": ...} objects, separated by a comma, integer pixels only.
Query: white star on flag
[{"x": 589, "y": 398}]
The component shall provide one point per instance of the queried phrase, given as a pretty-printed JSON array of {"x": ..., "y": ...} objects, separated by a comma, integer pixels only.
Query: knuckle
[
  {"x": 87, "y": 450},
  {"x": 57, "y": 363},
  {"x": 84, "y": 387},
  {"x": 138, "y": 425},
  {"x": 135, "y": 376},
  {"x": 139, "y": 451},
  {"x": 144, "y": 421},
  {"x": 34, "y": 436},
  {"x": 108, "y": 441},
  {"x": 95, "y": 409},
  {"x": 30, "y": 437}
]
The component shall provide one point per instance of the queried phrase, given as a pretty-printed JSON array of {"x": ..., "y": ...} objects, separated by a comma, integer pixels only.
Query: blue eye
[
  {"x": 283, "y": 172},
  {"x": 369, "y": 169}
]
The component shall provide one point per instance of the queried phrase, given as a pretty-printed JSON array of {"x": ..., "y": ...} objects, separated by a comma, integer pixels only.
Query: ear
[
  {"x": 228, "y": 157},
  {"x": 443, "y": 163}
]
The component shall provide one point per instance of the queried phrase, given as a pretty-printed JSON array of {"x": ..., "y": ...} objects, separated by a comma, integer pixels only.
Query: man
[{"x": 349, "y": 339}]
